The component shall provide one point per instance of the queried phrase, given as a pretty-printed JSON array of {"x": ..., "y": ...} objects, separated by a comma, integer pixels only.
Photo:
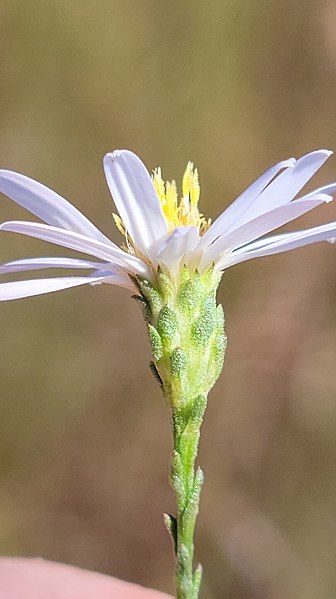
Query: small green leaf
[
  {"x": 178, "y": 362},
  {"x": 202, "y": 328},
  {"x": 171, "y": 526},
  {"x": 156, "y": 343},
  {"x": 151, "y": 295},
  {"x": 165, "y": 285},
  {"x": 189, "y": 295},
  {"x": 167, "y": 327},
  {"x": 197, "y": 579},
  {"x": 197, "y": 410},
  {"x": 192, "y": 507},
  {"x": 217, "y": 354},
  {"x": 176, "y": 478}
]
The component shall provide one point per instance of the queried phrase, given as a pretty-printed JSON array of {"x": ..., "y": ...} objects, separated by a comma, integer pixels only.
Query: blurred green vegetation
[{"x": 84, "y": 434}]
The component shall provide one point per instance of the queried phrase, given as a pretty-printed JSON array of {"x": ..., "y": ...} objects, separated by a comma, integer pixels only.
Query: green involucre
[{"x": 186, "y": 330}]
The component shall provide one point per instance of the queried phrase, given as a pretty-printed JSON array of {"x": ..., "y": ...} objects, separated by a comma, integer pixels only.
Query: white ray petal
[
  {"x": 260, "y": 226},
  {"x": 20, "y": 289},
  {"x": 285, "y": 187},
  {"x": 80, "y": 243},
  {"x": 46, "y": 204},
  {"x": 120, "y": 279},
  {"x": 277, "y": 191},
  {"x": 235, "y": 212},
  {"x": 135, "y": 198},
  {"x": 182, "y": 241},
  {"x": 329, "y": 189},
  {"x": 39, "y": 263},
  {"x": 280, "y": 243}
]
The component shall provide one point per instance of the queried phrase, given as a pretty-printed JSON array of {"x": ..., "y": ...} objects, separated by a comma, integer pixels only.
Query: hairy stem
[{"x": 187, "y": 485}]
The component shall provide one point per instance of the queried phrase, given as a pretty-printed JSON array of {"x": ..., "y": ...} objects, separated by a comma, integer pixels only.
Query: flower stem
[{"x": 187, "y": 485}]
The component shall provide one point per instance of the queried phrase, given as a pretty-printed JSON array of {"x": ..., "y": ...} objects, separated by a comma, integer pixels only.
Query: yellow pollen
[
  {"x": 184, "y": 212},
  {"x": 119, "y": 224},
  {"x": 121, "y": 227},
  {"x": 159, "y": 184},
  {"x": 178, "y": 212}
]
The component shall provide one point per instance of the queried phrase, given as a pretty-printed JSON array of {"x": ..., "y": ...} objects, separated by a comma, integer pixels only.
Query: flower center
[
  {"x": 178, "y": 213},
  {"x": 184, "y": 212}
]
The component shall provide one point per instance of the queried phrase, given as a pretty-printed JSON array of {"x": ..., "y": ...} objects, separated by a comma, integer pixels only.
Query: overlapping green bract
[{"x": 186, "y": 332}]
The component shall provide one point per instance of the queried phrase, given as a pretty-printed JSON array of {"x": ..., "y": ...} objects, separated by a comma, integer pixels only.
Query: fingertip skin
[{"x": 35, "y": 578}]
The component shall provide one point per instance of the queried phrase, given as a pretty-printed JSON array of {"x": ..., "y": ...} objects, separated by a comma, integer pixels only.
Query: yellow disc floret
[
  {"x": 184, "y": 212},
  {"x": 179, "y": 212}
]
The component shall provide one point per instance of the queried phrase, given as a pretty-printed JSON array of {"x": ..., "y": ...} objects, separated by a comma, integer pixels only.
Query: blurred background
[{"x": 84, "y": 434}]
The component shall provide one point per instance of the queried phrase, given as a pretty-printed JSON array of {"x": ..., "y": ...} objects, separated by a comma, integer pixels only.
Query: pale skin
[{"x": 29, "y": 578}]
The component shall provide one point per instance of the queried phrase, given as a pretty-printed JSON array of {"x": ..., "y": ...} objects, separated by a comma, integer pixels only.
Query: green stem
[{"x": 187, "y": 486}]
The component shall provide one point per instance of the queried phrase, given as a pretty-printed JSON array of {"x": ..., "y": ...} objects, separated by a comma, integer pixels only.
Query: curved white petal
[
  {"x": 280, "y": 243},
  {"x": 39, "y": 263},
  {"x": 285, "y": 187},
  {"x": 269, "y": 192},
  {"x": 20, "y": 289},
  {"x": 235, "y": 212},
  {"x": 46, "y": 204},
  {"x": 260, "y": 226},
  {"x": 80, "y": 243},
  {"x": 329, "y": 189},
  {"x": 182, "y": 241},
  {"x": 135, "y": 198},
  {"x": 120, "y": 279}
]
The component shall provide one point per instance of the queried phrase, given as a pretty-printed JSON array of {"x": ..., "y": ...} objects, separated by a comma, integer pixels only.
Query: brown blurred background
[{"x": 84, "y": 434}]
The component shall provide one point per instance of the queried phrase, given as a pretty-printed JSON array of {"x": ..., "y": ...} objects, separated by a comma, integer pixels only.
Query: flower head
[{"x": 162, "y": 227}]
